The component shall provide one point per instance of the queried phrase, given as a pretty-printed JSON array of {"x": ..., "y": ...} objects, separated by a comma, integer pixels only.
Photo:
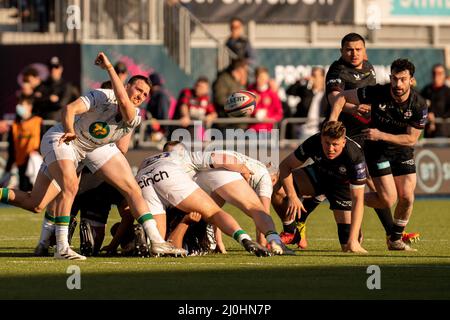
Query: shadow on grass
[{"x": 288, "y": 283}]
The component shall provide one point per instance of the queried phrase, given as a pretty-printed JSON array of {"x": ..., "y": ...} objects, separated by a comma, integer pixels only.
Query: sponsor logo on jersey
[
  {"x": 99, "y": 130},
  {"x": 409, "y": 162},
  {"x": 157, "y": 177}
]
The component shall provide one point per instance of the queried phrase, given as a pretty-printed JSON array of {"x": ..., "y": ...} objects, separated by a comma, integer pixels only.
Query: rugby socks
[
  {"x": 309, "y": 204},
  {"x": 149, "y": 224},
  {"x": 290, "y": 226},
  {"x": 47, "y": 229},
  {"x": 4, "y": 195},
  {"x": 61, "y": 232},
  {"x": 397, "y": 229},
  {"x": 240, "y": 235},
  {"x": 343, "y": 232},
  {"x": 386, "y": 219},
  {"x": 273, "y": 236}
]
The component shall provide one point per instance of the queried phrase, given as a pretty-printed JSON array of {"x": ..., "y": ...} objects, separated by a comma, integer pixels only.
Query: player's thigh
[
  {"x": 306, "y": 181},
  {"x": 406, "y": 185},
  {"x": 200, "y": 202},
  {"x": 65, "y": 174},
  {"x": 342, "y": 216},
  {"x": 117, "y": 172},
  {"x": 99, "y": 157},
  {"x": 240, "y": 194}
]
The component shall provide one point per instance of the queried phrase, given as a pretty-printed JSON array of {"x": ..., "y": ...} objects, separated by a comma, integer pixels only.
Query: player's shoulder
[
  {"x": 336, "y": 67},
  {"x": 418, "y": 100},
  {"x": 353, "y": 149}
]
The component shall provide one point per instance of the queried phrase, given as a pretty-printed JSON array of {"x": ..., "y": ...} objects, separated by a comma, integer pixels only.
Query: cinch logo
[
  {"x": 99, "y": 130},
  {"x": 157, "y": 177}
]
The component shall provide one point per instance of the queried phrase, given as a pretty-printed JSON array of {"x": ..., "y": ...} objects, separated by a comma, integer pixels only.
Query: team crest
[
  {"x": 342, "y": 170},
  {"x": 99, "y": 130},
  {"x": 407, "y": 114}
]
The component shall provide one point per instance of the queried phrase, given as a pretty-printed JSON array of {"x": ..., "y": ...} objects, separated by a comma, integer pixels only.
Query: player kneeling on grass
[
  {"x": 252, "y": 197},
  {"x": 341, "y": 173}
]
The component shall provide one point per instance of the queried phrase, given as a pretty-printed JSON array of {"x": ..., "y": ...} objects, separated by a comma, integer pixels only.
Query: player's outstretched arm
[
  {"x": 295, "y": 206},
  {"x": 231, "y": 163},
  {"x": 357, "y": 195},
  {"x": 126, "y": 107},
  {"x": 346, "y": 99},
  {"x": 68, "y": 119},
  {"x": 177, "y": 235},
  {"x": 409, "y": 139}
]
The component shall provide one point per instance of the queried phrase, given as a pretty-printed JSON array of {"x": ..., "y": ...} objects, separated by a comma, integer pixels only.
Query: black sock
[
  {"x": 397, "y": 232},
  {"x": 343, "y": 232},
  {"x": 310, "y": 204},
  {"x": 291, "y": 227},
  {"x": 386, "y": 219}
]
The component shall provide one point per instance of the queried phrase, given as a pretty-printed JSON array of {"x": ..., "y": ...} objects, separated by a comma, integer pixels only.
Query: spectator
[
  {"x": 437, "y": 95},
  {"x": 230, "y": 80},
  {"x": 313, "y": 103},
  {"x": 24, "y": 139},
  {"x": 54, "y": 93},
  {"x": 237, "y": 43},
  {"x": 194, "y": 104},
  {"x": 158, "y": 107},
  {"x": 121, "y": 70},
  {"x": 268, "y": 104},
  {"x": 31, "y": 76}
]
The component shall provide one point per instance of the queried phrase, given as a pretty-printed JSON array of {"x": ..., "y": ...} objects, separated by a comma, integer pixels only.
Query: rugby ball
[{"x": 240, "y": 104}]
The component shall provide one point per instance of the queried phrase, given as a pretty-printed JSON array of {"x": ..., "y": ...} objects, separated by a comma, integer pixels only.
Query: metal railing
[
  {"x": 142, "y": 136},
  {"x": 179, "y": 25}
]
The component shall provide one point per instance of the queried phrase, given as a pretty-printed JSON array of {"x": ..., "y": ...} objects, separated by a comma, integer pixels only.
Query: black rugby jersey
[
  {"x": 343, "y": 76},
  {"x": 348, "y": 167},
  {"x": 389, "y": 116}
]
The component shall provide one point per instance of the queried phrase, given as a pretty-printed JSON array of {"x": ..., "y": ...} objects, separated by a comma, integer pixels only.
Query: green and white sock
[
  {"x": 4, "y": 195},
  {"x": 149, "y": 225},
  {"x": 61, "y": 233},
  {"x": 47, "y": 229},
  {"x": 240, "y": 235}
]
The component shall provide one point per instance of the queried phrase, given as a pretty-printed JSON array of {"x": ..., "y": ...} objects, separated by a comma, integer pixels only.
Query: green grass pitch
[{"x": 320, "y": 272}]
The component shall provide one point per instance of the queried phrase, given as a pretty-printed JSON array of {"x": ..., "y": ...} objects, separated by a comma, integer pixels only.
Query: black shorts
[
  {"x": 337, "y": 193},
  {"x": 383, "y": 159},
  {"x": 96, "y": 204}
]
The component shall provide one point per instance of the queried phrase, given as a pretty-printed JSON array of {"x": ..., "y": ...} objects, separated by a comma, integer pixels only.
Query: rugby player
[
  {"x": 339, "y": 174},
  {"x": 166, "y": 181},
  {"x": 399, "y": 115},
  {"x": 253, "y": 197},
  {"x": 351, "y": 71},
  {"x": 97, "y": 119}
]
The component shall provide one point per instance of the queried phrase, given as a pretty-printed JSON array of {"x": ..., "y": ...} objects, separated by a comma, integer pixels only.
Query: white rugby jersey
[
  {"x": 102, "y": 123},
  {"x": 260, "y": 172},
  {"x": 191, "y": 162}
]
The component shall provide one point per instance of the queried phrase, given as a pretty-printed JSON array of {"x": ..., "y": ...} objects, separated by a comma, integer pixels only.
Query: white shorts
[
  {"x": 164, "y": 185},
  {"x": 212, "y": 180},
  {"x": 264, "y": 187},
  {"x": 51, "y": 151},
  {"x": 96, "y": 159}
]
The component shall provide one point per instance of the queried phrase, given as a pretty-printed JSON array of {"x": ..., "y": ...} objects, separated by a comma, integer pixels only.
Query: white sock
[
  {"x": 47, "y": 230},
  {"x": 152, "y": 231},
  {"x": 62, "y": 243}
]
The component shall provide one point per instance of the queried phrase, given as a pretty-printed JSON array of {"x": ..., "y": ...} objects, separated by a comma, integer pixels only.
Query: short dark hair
[
  {"x": 439, "y": 65},
  {"x": 27, "y": 99},
  {"x": 260, "y": 70},
  {"x": 400, "y": 65},
  {"x": 238, "y": 63},
  {"x": 333, "y": 129},
  {"x": 30, "y": 71},
  {"x": 106, "y": 85},
  {"x": 352, "y": 37},
  {"x": 202, "y": 79},
  {"x": 120, "y": 67},
  {"x": 137, "y": 77},
  {"x": 171, "y": 143}
]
